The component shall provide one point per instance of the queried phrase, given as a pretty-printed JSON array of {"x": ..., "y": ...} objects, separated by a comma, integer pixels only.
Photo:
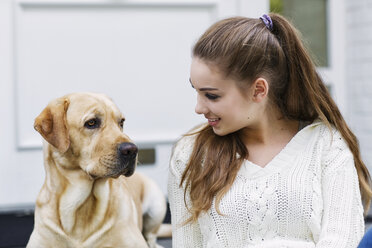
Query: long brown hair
[{"x": 244, "y": 49}]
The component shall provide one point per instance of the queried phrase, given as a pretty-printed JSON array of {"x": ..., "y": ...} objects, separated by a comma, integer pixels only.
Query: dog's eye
[
  {"x": 93, "y": 123},
  {"x": 121, "y": 123}
]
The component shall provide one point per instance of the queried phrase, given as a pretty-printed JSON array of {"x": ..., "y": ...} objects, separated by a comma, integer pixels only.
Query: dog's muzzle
[{"x": 127, "y": 154}]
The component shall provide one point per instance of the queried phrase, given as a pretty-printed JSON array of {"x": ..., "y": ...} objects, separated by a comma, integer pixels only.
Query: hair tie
[{"x": 267, "y": 21}]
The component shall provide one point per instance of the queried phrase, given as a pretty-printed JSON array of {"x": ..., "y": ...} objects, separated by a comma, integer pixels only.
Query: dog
[{"x": 92, "y": 196}]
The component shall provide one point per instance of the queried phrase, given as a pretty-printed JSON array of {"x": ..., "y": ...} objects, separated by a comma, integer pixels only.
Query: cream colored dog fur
[{"x": 90, "y": 197}]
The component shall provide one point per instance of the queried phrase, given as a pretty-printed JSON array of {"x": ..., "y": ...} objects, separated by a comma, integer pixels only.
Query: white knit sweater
[{"x": 307, "y": 196}]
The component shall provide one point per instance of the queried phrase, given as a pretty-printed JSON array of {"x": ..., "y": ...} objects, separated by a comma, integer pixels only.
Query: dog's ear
[{"x": 52, "y": 124}]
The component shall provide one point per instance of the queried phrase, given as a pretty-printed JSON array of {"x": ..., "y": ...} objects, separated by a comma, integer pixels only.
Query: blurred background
[{"x": 138, "y": 53}]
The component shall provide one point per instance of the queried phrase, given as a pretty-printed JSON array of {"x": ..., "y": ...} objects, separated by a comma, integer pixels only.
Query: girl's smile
[{"x": 213, "y": 122}]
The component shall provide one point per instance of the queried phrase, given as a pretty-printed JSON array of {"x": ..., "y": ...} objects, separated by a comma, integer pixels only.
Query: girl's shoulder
[
  {"x": 326, "y": 134},
  {"x": 184, "y": 145},
  {"x": 327, "y": 139},
  {"x": 332, "y": 144},
  {"x": 183, "y": 148},
  {"x": 329, "y": 135}
]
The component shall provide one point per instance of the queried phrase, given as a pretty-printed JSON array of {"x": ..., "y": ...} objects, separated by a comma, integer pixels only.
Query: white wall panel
[
  {"x": 136, "y": 51},
  {"x": 138, "y": 55}
]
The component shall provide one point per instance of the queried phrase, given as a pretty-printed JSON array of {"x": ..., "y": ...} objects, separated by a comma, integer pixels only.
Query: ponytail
[{"x": 306, "y": 91}]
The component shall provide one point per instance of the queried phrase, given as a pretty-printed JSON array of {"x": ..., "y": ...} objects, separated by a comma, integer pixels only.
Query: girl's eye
[
  {"x": 93, "y": 123},
  {"x": 211, "y": 96}
]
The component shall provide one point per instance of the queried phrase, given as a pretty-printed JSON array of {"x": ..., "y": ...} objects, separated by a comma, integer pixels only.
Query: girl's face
[{"x": 221, "y": 101}]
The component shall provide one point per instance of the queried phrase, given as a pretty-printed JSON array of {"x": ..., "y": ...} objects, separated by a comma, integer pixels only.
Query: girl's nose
[{"x": 200, "y": 107}]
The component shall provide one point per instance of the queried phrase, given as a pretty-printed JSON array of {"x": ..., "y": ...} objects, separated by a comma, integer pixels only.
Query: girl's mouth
[{"x": 214, "y": 121}]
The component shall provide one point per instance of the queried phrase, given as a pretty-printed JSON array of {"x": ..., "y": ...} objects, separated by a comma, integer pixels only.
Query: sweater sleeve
[
  {"x": 189, "y": 235},
  {"x": 342, "y": 220}
]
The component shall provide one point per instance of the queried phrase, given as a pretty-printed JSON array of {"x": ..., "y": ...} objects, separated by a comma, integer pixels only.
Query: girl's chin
[
  {"x": 219, "y": 131},
  {"x": 222, "y": 132}
]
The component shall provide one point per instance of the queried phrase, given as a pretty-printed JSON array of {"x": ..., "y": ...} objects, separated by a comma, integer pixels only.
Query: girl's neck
[{"x": 268, "y": 130}]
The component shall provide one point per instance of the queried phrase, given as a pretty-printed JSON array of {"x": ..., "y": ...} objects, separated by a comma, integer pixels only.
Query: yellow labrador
[{"x": 85, "y": 201}]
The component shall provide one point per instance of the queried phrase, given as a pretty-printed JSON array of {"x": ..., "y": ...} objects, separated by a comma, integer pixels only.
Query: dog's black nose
[
  {"x": 127, "y": 149},
  {"x": 127, "y": 153}
]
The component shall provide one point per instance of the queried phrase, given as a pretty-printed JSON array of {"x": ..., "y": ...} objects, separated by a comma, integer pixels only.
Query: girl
[{"x": 276, "y": 165}]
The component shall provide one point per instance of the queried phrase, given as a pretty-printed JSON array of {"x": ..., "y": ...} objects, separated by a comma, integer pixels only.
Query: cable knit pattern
[{"x": 307, "y": 196}]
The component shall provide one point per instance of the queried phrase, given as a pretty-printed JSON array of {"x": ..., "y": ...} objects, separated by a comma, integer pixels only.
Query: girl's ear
[{"x": 260, "y": 89}]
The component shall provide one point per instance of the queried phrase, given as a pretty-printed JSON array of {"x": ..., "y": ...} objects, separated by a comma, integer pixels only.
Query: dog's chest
[{"x": 109, "y": 212}]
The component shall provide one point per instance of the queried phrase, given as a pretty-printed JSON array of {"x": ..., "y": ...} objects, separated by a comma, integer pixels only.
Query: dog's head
[{"x": 85, "y": 131}]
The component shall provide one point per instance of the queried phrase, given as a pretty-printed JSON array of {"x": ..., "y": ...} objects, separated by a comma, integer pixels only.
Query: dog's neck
[{"x": 76, "y": 192}]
